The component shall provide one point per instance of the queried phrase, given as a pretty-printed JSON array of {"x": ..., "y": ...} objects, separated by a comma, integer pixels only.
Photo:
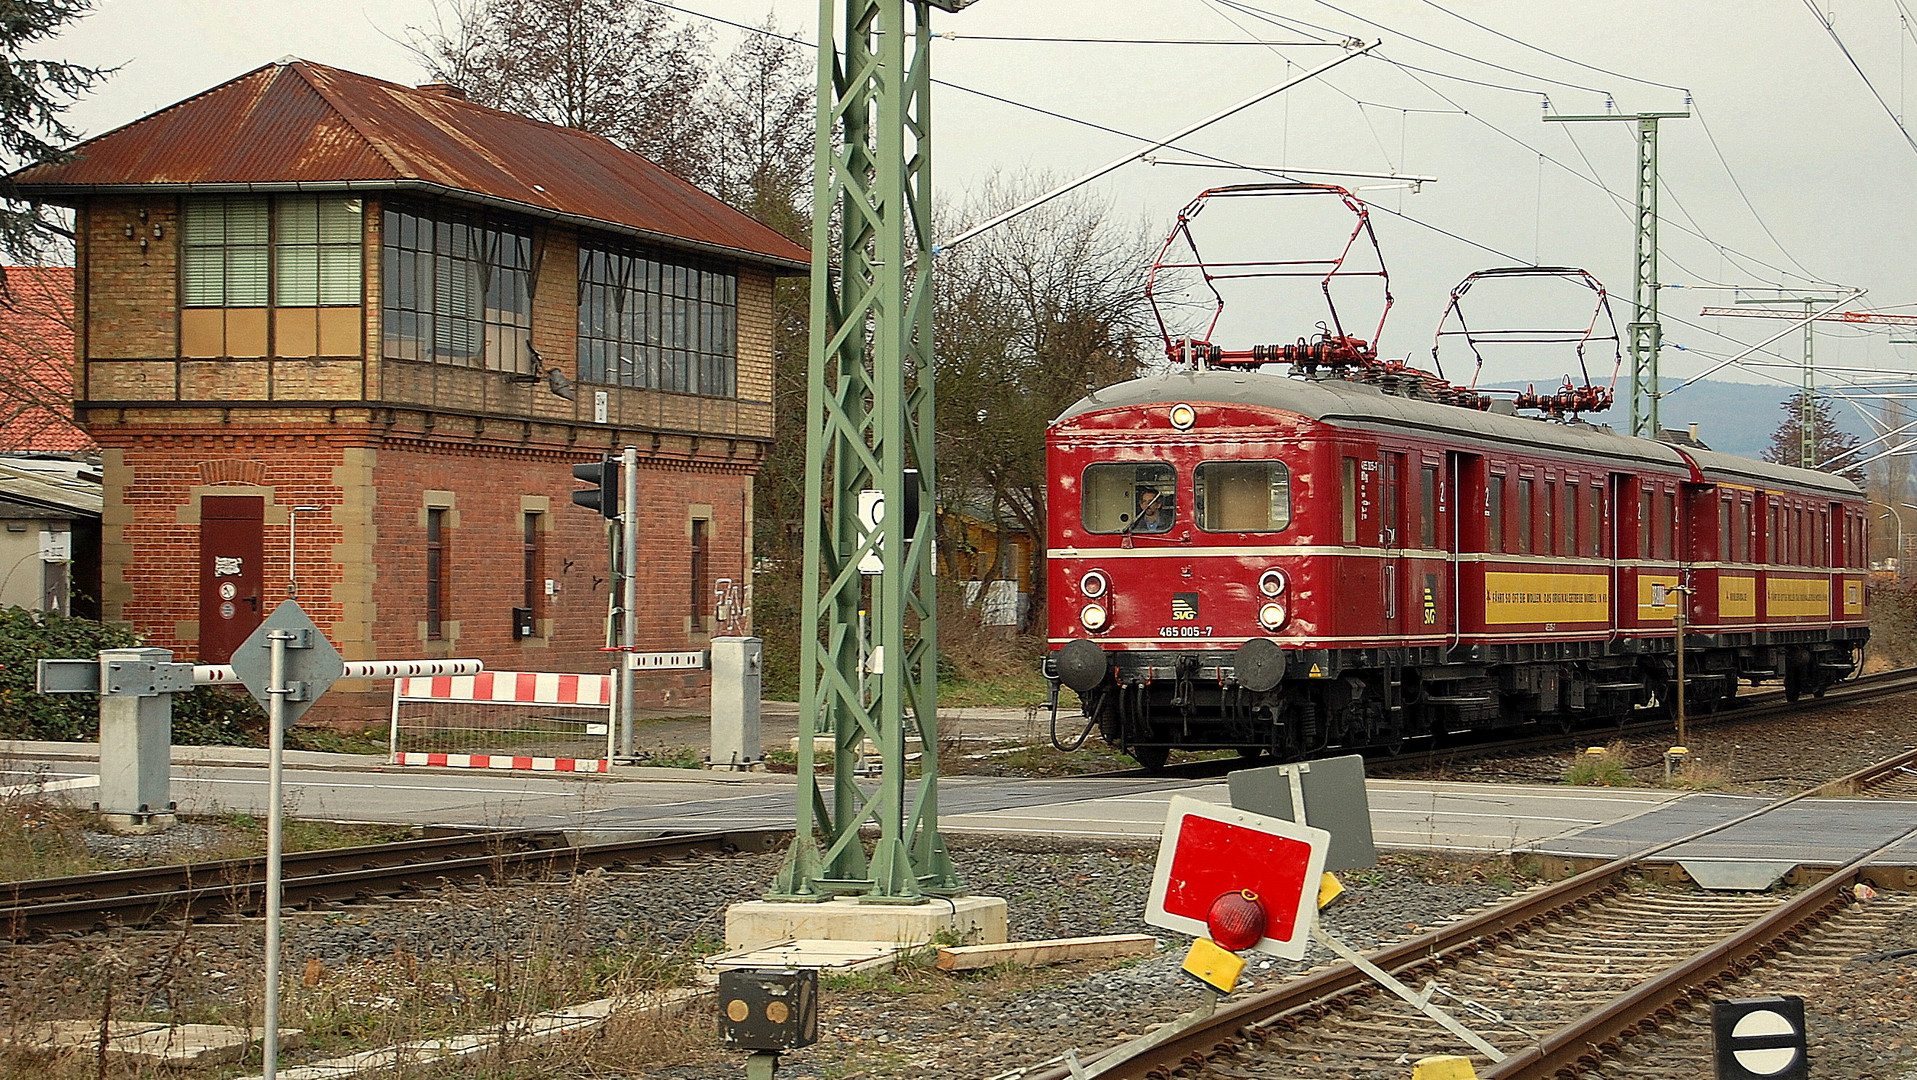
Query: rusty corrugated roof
[{"x": 297, "y": 124}]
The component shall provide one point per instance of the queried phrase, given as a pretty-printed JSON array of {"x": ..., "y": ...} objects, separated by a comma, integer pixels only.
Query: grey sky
[{"x": 1826, "y": 168}]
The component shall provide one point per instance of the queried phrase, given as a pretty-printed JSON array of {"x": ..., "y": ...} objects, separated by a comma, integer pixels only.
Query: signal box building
[{"x": 352, "y": 336}]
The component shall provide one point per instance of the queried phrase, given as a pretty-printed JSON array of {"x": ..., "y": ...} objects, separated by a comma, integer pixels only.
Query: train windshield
[
  {"x": 1242, "y": 496},
  {"x": 1129, "y": 497}
]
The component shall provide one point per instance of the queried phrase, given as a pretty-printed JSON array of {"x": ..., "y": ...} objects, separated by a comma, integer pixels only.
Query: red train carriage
[
  {"x": 1359, "y": 553},
  {"x": 1242, "y": 559}
]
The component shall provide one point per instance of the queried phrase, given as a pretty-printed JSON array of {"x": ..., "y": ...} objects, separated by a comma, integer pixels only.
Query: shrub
[
  {"x": 207, "y": 714},
  {"x": 28, "y": 636}
]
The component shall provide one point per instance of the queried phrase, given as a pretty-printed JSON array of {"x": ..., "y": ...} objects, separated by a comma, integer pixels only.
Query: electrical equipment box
[{"x": 523, "y": 623}]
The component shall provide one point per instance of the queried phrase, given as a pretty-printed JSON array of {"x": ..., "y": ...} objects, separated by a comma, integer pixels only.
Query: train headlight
[
  {"x": 1093, "y": 617},
  {"x": 1272, "y": 583},
  {"x": 1093, "y": 584},
  {"x": 1183, "y": 416},
  {"x": 1272, "y": 615}
]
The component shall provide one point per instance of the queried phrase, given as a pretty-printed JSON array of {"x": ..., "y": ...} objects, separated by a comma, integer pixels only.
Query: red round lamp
[{"x": 1236, "y": 920}]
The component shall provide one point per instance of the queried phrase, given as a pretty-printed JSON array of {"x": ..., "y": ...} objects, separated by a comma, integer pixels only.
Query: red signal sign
[{"x": 1209, "y": 851}]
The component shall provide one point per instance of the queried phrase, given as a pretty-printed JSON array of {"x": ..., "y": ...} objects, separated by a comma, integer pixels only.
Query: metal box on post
[
  {"x": 737, "y": 663},
  {"x": 769, "y": 1008}
]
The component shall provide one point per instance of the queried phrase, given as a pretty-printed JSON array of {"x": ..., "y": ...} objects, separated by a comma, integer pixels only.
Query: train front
[{"x": 1181, "y": 523}]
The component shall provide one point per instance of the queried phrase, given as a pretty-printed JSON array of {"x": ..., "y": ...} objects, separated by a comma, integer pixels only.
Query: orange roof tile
[{"x": 36, "y": 362}]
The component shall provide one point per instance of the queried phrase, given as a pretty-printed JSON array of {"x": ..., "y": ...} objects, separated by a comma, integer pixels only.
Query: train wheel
[{"x": 1152, "y": 759}]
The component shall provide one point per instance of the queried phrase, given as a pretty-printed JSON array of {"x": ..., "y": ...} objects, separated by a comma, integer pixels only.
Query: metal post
[
  {"x": 1683, "y": 594},
  {"x": 275, "y": 822},
  {"x": 629, "y": 594},
  {"x": 1647, "y": 334},
  {"x": 869, "y": 425},
  {"x": 136, "y": 743},
  {"x": 1807, "y": 412}
]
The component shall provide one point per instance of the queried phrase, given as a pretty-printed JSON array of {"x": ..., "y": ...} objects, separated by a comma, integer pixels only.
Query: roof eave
[{"x": 68, "y": 195}]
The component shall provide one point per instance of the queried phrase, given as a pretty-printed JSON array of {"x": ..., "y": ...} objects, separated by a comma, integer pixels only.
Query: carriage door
[
  {"x": 232, "y": 540},
  {"x": 1392, "y": 536}
]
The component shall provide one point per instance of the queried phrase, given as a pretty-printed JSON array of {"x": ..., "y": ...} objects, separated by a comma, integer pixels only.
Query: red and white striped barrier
[
  {"x": 500, "y": 761},
  {"x": 506, "y": 688}
]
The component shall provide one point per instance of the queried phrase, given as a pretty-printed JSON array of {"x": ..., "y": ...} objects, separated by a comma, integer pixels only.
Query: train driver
[{"x": 1155, "y": 511}]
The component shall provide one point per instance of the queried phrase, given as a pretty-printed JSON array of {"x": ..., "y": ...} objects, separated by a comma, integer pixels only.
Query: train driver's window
[
  {"x": 1129, "y": 497},
  {"x": 1242, "y": 496}
]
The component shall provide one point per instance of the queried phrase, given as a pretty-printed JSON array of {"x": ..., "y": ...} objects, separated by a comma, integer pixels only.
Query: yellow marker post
[
  {"x": 1214, "y": 965},
  {"x": 1674, "y": 760}
]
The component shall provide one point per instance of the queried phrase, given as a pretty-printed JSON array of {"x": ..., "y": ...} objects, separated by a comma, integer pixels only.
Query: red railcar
[{"x": 1244, "y": 559}]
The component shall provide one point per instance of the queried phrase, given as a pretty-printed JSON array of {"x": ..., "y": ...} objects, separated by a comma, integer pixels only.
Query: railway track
[
  {"x": 138, "y": 897},
  {"x": 1591, "y": 976},
  {"x": 1424, "y": 758}
]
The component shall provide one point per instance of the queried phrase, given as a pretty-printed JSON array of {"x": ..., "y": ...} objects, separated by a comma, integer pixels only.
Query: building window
[
  {"x": 458, "y": 289},
  {"x": 435, "y": 574},
  {"x": 314, "y": 246},
  {"x": 701, "y": 543},
  {"x": 532, "y": 558},
  {"x": 224, "y": 259},
  {"x": 649, "y": 320}
]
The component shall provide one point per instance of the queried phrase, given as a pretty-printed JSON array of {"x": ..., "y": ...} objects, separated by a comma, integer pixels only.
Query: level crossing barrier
[{"x": 538, "y": 720}]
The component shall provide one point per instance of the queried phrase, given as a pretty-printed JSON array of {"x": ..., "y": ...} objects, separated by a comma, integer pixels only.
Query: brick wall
[{"x": 132, "y": 290}]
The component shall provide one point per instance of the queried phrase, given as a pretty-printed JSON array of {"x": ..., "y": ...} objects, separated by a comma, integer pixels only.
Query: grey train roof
[{"x": 1349, "y": 404}]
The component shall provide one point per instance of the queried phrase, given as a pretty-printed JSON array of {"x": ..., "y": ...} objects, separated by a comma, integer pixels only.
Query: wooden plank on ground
[{"x": 1037, "y": 953}]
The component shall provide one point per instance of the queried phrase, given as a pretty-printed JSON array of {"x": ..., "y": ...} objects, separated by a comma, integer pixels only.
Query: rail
[
  {"x": 131, "y": 898},
  {"x": 1223, "y": 1032}
]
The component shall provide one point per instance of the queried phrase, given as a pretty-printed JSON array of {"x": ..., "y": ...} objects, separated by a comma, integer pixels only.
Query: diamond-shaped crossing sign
[{"x": 312, "y": 664}]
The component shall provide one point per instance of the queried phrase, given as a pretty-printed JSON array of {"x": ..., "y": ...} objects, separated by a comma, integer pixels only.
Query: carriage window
[
  {"x": 1593, "y": 519},
  {"x": 1494, "y": 515},
  {"x": 1644, "y": 516},
  {"x": 1242, "y": 496},
  {"x": 1349, "y": 522},
  {"x": 1129, "y": 497},
  {"x": 1393, "y": 519},
  {"x": 1666, "y": 519},
  {"x": 1770, "y": 532},
  {"x": 1428, "y": 507},
  {"x": 1525, "y": 487},
  {"x": 1570, "y": 521},
  {"x": 1524, "y": 515}
]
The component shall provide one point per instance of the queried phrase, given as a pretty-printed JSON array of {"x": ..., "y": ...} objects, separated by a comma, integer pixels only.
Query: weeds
[{"x": 1600, "y": 770}]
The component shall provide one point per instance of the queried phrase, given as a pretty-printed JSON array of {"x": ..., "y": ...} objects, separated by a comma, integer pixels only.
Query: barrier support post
[
  {"x": 136, "y": 739},
  {"x": 736, "y": 666}
]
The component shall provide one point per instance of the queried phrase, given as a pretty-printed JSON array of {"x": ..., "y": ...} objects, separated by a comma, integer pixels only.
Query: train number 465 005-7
[{"x": 1184, "y": 631}]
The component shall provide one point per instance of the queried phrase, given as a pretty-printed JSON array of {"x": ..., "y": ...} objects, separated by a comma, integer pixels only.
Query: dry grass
[{"x": 1607, "y": 769}]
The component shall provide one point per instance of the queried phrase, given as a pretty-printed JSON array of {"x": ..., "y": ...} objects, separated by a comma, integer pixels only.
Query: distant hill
[{"x": 1732, "y": 418}]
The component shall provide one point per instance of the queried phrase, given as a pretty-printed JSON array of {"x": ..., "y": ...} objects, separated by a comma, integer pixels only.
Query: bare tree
[
  {"x": 1030, "y": 316},
  {"x": 617, "y": 68},
  {"x": 761, "y": 105}
]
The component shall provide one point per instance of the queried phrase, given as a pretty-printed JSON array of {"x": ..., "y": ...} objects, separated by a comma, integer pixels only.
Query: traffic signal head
[{"x": 605, "y": 497}]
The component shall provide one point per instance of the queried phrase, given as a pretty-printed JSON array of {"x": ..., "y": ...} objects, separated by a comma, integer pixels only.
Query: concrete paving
[{"x": 1405, "y": 815}]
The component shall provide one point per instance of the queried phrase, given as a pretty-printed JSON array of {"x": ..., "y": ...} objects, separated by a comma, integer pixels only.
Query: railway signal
[
  {"x": 1760, "y": 1037},
  {"x": 604, "y": 495}
]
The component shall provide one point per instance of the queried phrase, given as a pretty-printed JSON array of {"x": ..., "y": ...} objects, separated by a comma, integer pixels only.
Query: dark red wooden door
[{"x": 232, "y": 602}]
